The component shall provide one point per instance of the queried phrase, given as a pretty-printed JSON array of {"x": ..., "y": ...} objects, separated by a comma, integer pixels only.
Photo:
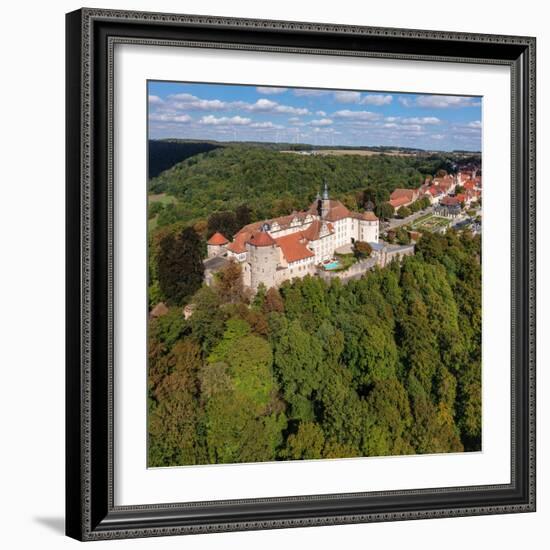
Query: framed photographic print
[{"x": 300, "y": 274}]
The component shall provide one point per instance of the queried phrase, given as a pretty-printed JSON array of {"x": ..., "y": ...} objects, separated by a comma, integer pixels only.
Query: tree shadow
[{"x": 56, "y": 524}]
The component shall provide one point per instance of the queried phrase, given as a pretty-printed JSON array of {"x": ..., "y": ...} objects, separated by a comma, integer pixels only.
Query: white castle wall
[{"x": 263, "y": 265}]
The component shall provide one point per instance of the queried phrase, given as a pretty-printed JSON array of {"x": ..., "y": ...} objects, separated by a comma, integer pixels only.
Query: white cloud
[
  {"x": 305, "y": 92},
  {"x": 321, "y": 122},
  {"x": 376, "y": 99},
  {"x": 318, "y": 130},
  {"x": 437, "y": 136},
  {"x": 320, "y": 113},
  {"x": 268, "y": 125},
  {"x": 422, "y": 120},
  {"x": 211, "y": 120},
  {"x": 169, "y": 117},
  {"x": 191, "y": 102},
  {"x": 412, "y": 128},
  {"x": 405, "y": 101},
  {"x": 267, "y": 106},
  {"x": 270, "y": 90},
  {"x": 356, "y": 115},
  {"x": 446, "y": 101},
  {"x": 474, "y": 124},
  {"x": 347, "y": 97},
  {"x": 155, "y": 100}
]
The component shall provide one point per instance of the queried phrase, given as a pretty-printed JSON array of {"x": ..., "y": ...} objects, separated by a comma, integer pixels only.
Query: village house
[
  {"x": 403, "y": 197},
  {"x": 448, "y": 207}
]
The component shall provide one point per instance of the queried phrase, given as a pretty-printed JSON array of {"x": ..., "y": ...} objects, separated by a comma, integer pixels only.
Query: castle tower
[
  {"x": 264, "y": 256},
  {"x": 216, "y": 245},
  {"x": 325, "y": 202}
]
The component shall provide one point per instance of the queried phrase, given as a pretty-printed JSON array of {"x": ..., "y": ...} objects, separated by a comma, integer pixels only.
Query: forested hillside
[
  {"x": 164, "y": 154},
  {"x": 386, "y": 365},
  {"x": 273, "y": 183}
]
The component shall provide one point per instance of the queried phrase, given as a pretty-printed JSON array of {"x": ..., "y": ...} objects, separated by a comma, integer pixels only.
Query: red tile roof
[
  {"x": 400, "y": 201},
  {"x": 294, "y": 247},
  {"x": 369, "y": 216},
  {"x": 461, "y": 197},
  {"x": 217, "y": 239},
  {"x": 159, "y": 310},
  {"x": 238, "y": 245},
  {"x": 261, "y": 238},
  {"x": 313, "y": 231},
  {"x": 410, "y": 194},
  {"x": 336, "y": 211},
  {"x": 449, "y": 201},
  {"x": 283, "y": 222}
]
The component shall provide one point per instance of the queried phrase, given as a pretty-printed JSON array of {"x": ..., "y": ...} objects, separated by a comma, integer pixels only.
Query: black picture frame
[{"x": 90, "y": 510}]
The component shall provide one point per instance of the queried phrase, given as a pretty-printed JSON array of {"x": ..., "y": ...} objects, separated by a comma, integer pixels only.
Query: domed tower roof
[
  {"x": 217, "y": 239},
  {"x": 261, "y": 238}
]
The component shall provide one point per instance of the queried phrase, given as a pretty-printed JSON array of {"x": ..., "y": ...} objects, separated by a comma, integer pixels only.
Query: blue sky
[{"x": 320, "y": 117}]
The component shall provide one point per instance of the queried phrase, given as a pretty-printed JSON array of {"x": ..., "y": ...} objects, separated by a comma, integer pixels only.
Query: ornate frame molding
[{"x": 91, "y": 37}]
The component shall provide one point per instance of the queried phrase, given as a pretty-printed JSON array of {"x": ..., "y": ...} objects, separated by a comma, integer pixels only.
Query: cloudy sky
[{"x": 320, "y": 117}]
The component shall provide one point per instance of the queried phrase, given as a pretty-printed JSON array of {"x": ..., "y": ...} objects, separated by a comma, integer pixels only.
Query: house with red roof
[
  {"x": 435, "y": 194},
  {"x": 449, "y": 207},
  {"x": 403, "y": 197}
]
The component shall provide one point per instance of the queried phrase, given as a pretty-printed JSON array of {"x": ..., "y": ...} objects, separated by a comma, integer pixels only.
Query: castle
[{"x": 283, "y": 248}]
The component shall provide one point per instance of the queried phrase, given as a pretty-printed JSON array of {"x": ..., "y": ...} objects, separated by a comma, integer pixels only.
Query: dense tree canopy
[
  {"x": 274, "y": 183},
  {"x": 388, "y": 364},
  {"x": 180, "y": 267}
]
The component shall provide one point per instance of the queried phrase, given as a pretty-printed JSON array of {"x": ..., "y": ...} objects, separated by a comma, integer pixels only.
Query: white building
[{"x": 272, "y": 251}]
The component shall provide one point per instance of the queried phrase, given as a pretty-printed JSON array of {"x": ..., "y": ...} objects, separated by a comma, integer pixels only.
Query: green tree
[
  {"x": 307, "y": 442},
  {"x": 404, "y": 212},
  {"x": 229, "y": 283},
  {"x": 174, "y": 414},
  {"x": 386, "y": 211},
  {"x": 362, "y": 249},
  {"x": 298, "y": 366},
  {"x": 223, "y": 222},
  {"x": 244, "y": 418},
  {"x": 180, "y": 267},
  {"x": 243, "y": 215}
]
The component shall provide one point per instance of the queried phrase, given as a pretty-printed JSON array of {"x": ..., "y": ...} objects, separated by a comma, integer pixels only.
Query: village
[{"x": 329, "y": 240}]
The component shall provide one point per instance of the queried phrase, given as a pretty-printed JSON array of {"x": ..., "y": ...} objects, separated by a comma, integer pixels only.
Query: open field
[
  {"x": 162, "y": 197},
  {"x": 343, "y": 152},
  {"x": 159, "y": 198}
]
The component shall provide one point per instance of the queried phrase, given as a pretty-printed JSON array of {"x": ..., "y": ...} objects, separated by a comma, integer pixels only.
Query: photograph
[{"x": 314, "y": 266}]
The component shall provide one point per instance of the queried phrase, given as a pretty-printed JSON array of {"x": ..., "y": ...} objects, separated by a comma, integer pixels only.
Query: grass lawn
[
  {"x": 422, "y": 218},
  {"x": 163, "y": 198},
  {"x": 430, "y": 222},
  {"x": 159, "y": 198},
  {"x": 346, "y": 261}
]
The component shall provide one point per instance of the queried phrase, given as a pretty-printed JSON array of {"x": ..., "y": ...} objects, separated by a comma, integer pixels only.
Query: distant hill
[
  {"x": 272, "y": 182},
  {"x": 163, "y": 154}
]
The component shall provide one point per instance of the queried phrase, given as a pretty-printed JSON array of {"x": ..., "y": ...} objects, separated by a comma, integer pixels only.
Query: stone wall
[
  {"x": 356, "y": 271},
  {"x": 389, "y": 252}
]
